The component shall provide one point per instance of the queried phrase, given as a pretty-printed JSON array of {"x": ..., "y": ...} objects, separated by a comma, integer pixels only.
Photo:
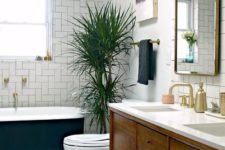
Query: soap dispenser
[{"x": 200, "y": 100}]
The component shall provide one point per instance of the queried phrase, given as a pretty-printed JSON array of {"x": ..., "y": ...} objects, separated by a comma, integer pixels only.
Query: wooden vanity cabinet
[{"x": 130, "y": 133}]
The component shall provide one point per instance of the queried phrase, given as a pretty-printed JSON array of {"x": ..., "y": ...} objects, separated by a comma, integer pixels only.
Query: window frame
[{"x": 48, "y": 24}]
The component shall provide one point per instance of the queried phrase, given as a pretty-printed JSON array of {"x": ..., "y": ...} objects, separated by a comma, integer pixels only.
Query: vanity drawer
[
  {"x": 176, "y": 145},
  {"x": 148, "y": 139}
]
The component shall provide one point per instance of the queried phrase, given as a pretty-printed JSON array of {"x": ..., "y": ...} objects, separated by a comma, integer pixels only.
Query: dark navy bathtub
[{"x": 38, "y": 128}]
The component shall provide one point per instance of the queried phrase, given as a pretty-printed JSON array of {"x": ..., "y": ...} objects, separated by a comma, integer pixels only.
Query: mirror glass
[{"x": 196, "y": 37}]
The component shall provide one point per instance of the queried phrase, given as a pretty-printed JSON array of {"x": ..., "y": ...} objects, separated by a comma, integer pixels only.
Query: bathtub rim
[{"x": 78, "y": 114}]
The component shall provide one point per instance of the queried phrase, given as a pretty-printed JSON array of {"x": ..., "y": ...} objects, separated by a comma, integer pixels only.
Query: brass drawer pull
[{"x": 148, "y": 141}]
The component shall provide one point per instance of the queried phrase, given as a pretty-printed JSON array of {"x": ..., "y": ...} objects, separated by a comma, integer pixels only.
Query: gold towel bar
[{"x": 151, "y": 41}]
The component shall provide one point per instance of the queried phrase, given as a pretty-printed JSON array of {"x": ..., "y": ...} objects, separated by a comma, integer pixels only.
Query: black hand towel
[{"x": 146, "y": 62}]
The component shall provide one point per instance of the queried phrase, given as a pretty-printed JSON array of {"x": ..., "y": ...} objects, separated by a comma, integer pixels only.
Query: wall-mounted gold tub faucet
[
  {"x": 15, "y": 97},
  {"x": 191, "y": 97}
]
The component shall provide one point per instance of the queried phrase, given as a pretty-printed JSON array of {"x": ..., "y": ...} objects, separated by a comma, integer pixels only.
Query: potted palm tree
[{"x": 104, "y": 36}]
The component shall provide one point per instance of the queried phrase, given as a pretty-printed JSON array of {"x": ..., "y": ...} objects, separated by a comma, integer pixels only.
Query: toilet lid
[{"x": 87, "y": 140}]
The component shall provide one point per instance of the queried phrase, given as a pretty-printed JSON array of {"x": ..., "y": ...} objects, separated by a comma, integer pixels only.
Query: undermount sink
[
  {"x": 216, "y": 129},
  {"x": 154, "y": 108}
]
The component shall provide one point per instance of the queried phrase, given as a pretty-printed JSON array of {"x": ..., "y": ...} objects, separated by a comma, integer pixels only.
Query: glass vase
[{"x": 190, "y": 56}]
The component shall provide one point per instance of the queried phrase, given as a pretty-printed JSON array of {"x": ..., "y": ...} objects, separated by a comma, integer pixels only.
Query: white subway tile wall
[
  {"x": 213, "y": 84},
  {"x": 48, "y": 83}
]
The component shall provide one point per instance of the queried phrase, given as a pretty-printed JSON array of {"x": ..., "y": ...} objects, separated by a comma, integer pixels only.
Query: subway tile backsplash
[{"x": 45, "y": 83}]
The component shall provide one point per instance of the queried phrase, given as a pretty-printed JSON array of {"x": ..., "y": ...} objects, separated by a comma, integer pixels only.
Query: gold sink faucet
[{"x": 191, "y": 97}]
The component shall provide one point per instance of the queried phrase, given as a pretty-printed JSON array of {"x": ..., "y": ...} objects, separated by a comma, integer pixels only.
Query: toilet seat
[
  {"x": 87, "y": 137},
  {"x": 67, "y": 147},
  {"x": 87, "y": 142}
]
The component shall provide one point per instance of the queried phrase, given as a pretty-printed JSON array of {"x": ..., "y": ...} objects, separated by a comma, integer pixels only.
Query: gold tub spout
[
  {"x": 15, "y": 97},
  {"x": 191, "y": 97}
]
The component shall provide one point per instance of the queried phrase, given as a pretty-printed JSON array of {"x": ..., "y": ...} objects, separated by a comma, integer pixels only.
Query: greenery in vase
[
  {"x": 190, "y": 38},
  {"x": 104, "y": 35}
]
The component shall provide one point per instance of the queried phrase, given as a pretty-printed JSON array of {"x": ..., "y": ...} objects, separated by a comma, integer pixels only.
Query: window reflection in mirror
[{"x": 187, "y": 53}]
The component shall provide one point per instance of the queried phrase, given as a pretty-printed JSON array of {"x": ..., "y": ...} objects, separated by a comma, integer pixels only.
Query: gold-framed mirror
[{"x": 197, "y": 37}]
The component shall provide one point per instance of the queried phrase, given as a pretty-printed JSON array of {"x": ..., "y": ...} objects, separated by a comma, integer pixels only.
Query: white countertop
[{"x": 175, "y": 121}]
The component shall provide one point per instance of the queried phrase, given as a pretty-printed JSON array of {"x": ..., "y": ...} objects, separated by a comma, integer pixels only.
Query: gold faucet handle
[
  {"x": 24, "y": 80},
  {"x": 6, "y": 81},
  {"x": 15, "y": 94},
  {"x": 183, "y": 100}
]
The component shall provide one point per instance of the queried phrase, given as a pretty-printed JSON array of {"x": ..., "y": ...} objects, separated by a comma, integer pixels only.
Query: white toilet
[{"x": 86, "y": 142}]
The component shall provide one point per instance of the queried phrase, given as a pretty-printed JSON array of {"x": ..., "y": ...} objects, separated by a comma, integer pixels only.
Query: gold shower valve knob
[
  {"x": 6, "y": 80},
  {"x": 24, "y": 80}
]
